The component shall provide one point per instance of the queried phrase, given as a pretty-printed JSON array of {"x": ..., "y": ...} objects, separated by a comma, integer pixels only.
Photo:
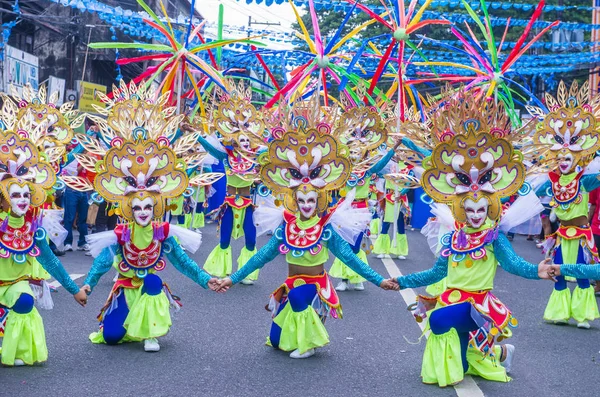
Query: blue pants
[
  {"x": 299, "y": 298},
  {"x": 561, "y": 283},
  {"x": 400, "y": 223},
  {"x": 112, "y": 325},
  {"x": 76, "y": 204},
  {"x": 227, "y": 228},
  {"x": 458, "y": 317}
]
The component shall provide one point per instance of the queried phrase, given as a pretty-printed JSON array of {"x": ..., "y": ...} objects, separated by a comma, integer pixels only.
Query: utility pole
[{"x": 250, "y": 23}]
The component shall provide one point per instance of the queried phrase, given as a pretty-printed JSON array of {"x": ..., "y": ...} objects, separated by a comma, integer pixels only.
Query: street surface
[{"x": 216, "y": 345}]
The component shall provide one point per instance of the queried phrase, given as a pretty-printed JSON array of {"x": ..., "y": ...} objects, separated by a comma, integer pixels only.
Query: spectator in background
[
  {"x": 76, "y": 203},
  {"x": 594, "y": 219}
]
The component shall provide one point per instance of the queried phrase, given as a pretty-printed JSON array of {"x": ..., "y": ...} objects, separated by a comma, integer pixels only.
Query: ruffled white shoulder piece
[
  {"x": 267, "y": 216},
  {"x": 350, "y": 222},
  {"x": 188, "y": 239},
  {"x": 438, "y": 226},
  {"x": 523, "y": 210},
  {"x": 593, "y": 167},
  {"x": 99, "y": 241},
  {"x": 51, "y": 222}
]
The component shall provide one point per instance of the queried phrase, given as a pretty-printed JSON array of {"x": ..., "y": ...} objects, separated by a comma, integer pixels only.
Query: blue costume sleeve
[
  {"x": 590, "y": 182},
  {"x": 581, "y": 271},
  {"x": 213, "y": 151},
  {"x": 102, "y": 264},
  {"x": 264, "y": 255},
  {"x": 426, "y": 277},
  {"x": 342, "y": 250},
  {"x": 543, "y": 189},
  {"x": 185, "y": 264},
  {"x": 52, "y": 265},
  {"x": 412, "y": 146},
  {"x": 381, "y": 163},
  {"x": 511, "y": 262}
]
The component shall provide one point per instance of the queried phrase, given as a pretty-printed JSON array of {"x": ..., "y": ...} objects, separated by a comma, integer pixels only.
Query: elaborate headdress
[
  {"x": 472, "y": 156},
  {"x": 34, "y": 109},
  {"x": 571, "y": 125},
  {"x": 49, "y": 126},
  {"x": 304, "y": 160},
  {"x": 142, "y": 160},
  {"x": 363, "y": 131}
]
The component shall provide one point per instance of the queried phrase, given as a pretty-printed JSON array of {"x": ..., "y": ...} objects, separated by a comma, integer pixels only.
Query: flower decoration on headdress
[
  {"x": 305, "y": 160},
  {"x": 137, "y": 155},
  {"x": 473, "y": 157},
  {"x": 50, "y": 125},
  {"x": 570, "y": 125}
]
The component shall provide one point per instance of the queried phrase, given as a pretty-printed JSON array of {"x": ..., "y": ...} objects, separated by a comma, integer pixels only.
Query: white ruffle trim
[
  {"x": 99, "y": 241},
  {"x": 188, "y": 239},
  {"x": 521, "y": 212},
  {"x": 350, "y": 222},
  {"x": 42, "y": 295},
  {"x": 51, "y": 222},
  {"x": 267, "y": 216}
]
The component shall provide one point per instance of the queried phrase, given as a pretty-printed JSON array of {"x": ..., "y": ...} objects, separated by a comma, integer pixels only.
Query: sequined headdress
[
  {"x": 473, "y": 156},
  {"x": 39, "y": 113},
  {"x": 571, "y": 124},
  {"x": 304, "y": 159},
  {"x": 138, "y": 153}
]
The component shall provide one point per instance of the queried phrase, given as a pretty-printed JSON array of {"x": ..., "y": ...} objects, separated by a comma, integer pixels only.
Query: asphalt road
[{"x": 216, "y": 345}]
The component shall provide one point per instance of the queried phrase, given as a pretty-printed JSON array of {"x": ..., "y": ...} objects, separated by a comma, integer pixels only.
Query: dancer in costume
[
  {"x": 242, "y": 131},
  {"x": 363, "y": 131},
  {"x": 139, "y": 172},
  {"x": 473, "y": 166},
  {"x": 302, "y": 166},
  {"x": 25, "y": 177},
  {"x": 571, "y": 128}
]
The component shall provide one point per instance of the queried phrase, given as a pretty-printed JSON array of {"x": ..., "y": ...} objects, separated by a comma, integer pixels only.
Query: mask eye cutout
[
  {"x": 463, "y": 178},
  {"x": 315, "y": 173},
  {"x": 559, "y": 139},
  {"x": 486, "y": 177},
  {"x": 22, "y": 171},
  {"x": 151, "y": 181},
  {"x": 131, "y": 181},
  {"x": 574, "y": 140},
  {"x": 295, "y": 173}
]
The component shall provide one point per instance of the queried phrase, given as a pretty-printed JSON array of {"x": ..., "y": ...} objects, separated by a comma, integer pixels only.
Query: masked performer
[
  {"x": 302, "y": 166},
  {"x": 139, "y": 173},
  {"x": 473, "y": 166},
  {"x": 241, "y": 129},
  {"x": 363, "y": 131},
  {"x": 572, "y": 130},
  {"x": 25, "y": 177}
]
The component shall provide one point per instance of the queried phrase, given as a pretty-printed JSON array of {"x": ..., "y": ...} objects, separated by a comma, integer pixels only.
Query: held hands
[
  {"x": 390, "y": 285},
  {"x": 81, "y": 297},
  {"x": 547, "y": 270},
  {"x": 214, "y": 284},
  {"x": 223, "y": 285}
]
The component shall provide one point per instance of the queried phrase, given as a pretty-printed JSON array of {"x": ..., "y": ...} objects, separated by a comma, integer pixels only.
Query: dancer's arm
[
  {"x": 101, "y": 265},
  {"x": 381, "y": 163},
  {"x": 590, "y": 182},
  {"x": 264, "y": 255},
  {"x": 412, "y": 146},
  {"x": 581, "y": 271},
  {"x": 511, "y": 262},
  {"x": 210, "y": 149},
  {"x": 342, "y": 250},
  {"x": 426, "y": 277},
  {"x": 52, "y": 265},
  {"x": 185, "y": 264}
]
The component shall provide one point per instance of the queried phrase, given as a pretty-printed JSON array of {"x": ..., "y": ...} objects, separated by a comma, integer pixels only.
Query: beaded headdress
[
  {"x": 570, "y": 126},
  {"x": 138, "y": 153}
]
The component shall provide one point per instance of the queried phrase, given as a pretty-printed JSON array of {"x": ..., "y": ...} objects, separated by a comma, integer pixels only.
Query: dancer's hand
[
  {"x": 214, "y": 284},
  {"x": 87, "y": 289},
  {"x": 81, "y": 297},
  {"x": 390, "y": 284},
  {"x": 547, "y": 270},
  {"x": 224, "y": 284}
]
